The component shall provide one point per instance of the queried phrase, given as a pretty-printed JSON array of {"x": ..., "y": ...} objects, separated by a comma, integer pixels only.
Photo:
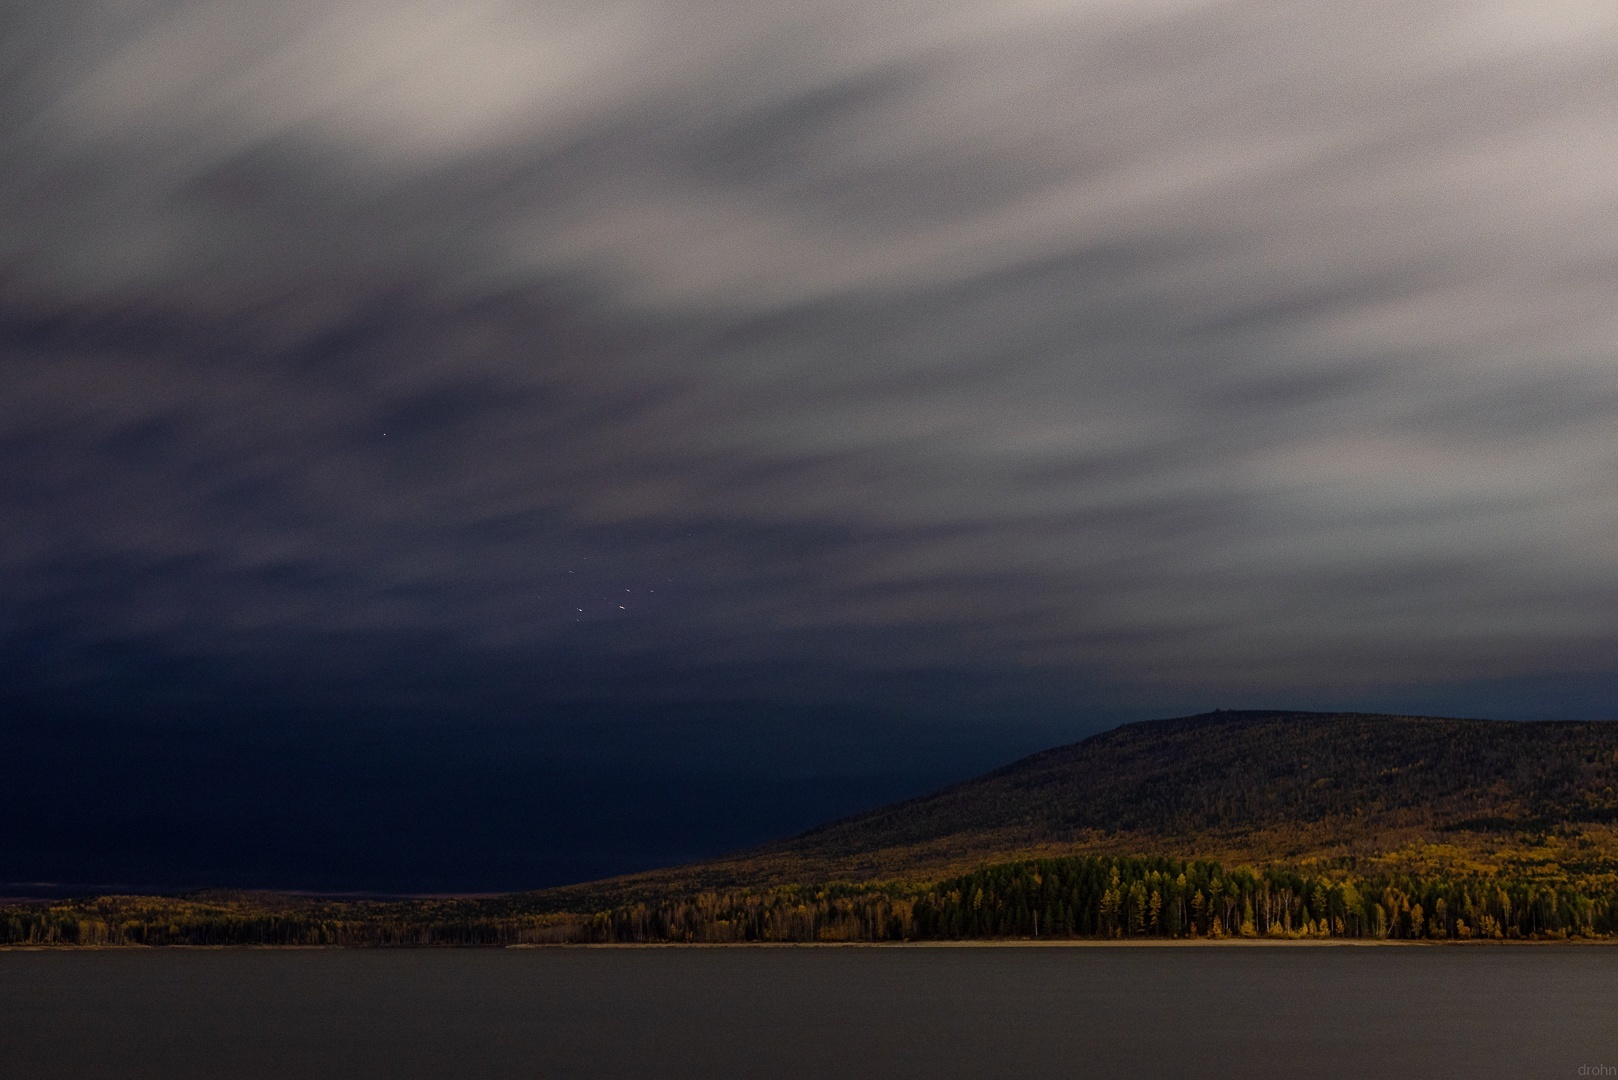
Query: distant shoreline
[
  {"x": 1000, "y": 943},
  {"x": 1073, "y": 943}
]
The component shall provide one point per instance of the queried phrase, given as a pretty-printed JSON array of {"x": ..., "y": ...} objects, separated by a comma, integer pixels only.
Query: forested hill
[
  {"x": 1250, "y": 786},
  {"x": 1239, "y": 772},
  {"x": 1229, "y": 823}
]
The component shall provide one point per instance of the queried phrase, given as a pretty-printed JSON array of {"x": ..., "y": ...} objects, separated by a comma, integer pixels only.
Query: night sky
[{"x": 481, "y": 446}]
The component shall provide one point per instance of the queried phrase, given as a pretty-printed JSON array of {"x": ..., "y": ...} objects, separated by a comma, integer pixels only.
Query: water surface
[{"x": 1204, "y": 1013}]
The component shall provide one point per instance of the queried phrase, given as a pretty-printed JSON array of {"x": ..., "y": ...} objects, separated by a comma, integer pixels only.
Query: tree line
[
  {"x": 1102, "y": 896},
  {"x": 1075, "y": 897}
]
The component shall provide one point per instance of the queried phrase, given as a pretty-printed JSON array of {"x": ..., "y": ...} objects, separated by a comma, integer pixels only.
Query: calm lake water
[{"x": 1204, "y": 1013}]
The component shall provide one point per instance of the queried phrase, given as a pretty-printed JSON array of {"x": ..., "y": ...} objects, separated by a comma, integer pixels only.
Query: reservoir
[{"x": 1210, "y": 1013}]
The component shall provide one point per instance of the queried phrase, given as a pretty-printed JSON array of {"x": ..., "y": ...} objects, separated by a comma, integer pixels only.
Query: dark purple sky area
[{"x": 484, "y": 445}]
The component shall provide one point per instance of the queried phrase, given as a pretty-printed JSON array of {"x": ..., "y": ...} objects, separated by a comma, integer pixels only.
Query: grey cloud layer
[{"x": 1181, "y": 344}]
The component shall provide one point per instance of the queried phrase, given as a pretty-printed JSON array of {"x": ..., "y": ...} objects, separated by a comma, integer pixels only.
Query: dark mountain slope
[
  {"x": 1236, "y": 773},
  {"x": 1260, "y": 787}
]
